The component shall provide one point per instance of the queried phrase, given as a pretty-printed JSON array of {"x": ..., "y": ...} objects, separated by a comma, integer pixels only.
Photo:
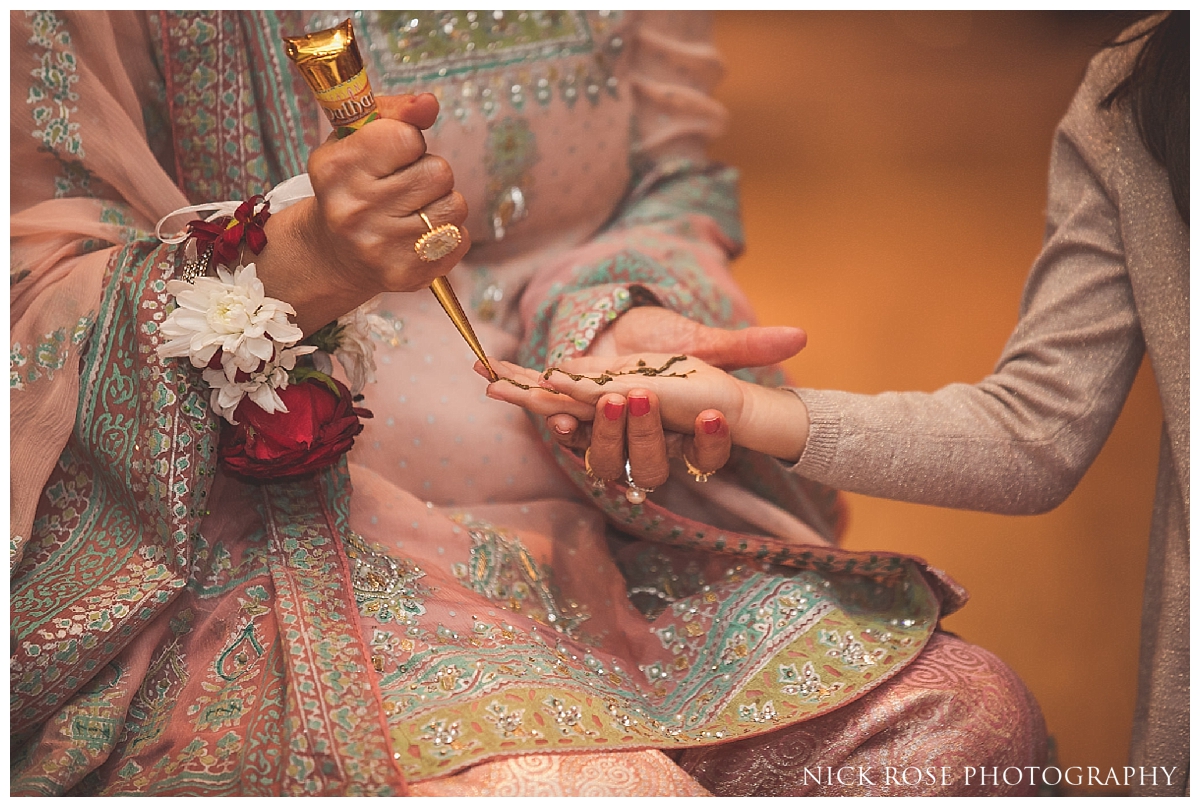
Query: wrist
[
  {"x": 773, "y": 421},
  {"x": 295, "y": 267}
]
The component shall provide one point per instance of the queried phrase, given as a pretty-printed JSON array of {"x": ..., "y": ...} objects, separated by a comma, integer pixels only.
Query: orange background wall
[{"x": 894, "y": 180}]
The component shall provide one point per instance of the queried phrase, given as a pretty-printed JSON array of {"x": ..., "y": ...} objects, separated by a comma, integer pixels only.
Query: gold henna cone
[
  {"x": 445, "y": 295},
  {"x": 333, "y": 68}
]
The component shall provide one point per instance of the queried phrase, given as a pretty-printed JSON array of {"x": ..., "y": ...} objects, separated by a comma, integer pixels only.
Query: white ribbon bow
[{"x": 283, "y": 195}]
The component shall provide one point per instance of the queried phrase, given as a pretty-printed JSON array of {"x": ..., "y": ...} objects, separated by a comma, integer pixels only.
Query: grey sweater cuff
[{"x": 824, "y": 429}]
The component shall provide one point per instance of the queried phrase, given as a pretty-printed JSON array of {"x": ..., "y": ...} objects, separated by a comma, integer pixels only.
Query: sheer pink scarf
[{"x": 77, "y": 132}]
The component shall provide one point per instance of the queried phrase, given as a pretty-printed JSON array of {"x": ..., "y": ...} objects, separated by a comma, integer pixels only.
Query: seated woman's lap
[{"x": 955, "y": 713}]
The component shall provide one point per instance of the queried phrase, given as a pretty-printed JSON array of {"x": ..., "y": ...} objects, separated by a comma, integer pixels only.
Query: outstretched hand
[
  {"x": 647, "y": 419},
  {"x": 619, "y": 426},
  {"x": 651, "y": 329},
  {"x": 684, "y": 388}
]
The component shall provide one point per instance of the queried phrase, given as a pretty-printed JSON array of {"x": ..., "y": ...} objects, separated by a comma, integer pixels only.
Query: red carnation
[
  {"x": 226, "y": 233},
  {"x": 319, "y": 426}
]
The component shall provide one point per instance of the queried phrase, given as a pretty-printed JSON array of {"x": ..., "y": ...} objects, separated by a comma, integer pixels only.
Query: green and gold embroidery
[
  {"x": 28, "y": 363},
  {"x": 504, "y": 571},
  {"x": 463, "y": 695},
  {"x": 385, "y": 588},
  {"x": 155, "y": 701},
  {"x": 481, "y": 62},
  {"x": 52, "y": 100}
]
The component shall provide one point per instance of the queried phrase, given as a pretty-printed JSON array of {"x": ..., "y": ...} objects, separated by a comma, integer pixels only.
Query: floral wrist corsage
[{"x": 284, "y": 413}]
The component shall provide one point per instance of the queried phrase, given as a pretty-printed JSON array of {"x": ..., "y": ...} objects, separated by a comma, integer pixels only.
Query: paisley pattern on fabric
[
  {"x": 229, "y": 143},
  {"x": 503, "y": 571},
  {"x": 472, "y": 685},
  {"x": 333, "y": 719},
  {"x": 28, "y": 363},
  {"x": 91, "y": 575}
]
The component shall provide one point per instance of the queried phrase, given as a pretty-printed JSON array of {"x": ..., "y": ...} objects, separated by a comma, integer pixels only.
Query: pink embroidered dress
[{"x": 455, "y": 609}]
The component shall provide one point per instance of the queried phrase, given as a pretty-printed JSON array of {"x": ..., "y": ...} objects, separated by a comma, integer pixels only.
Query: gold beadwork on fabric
[{"x": 385, "y": 588}]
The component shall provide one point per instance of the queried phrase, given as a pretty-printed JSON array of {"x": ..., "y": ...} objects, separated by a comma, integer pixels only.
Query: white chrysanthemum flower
[
  {"x": 230, "y": 313},
  {"x": 355, "y": 350},
  {"x": 260, "y": 386}
]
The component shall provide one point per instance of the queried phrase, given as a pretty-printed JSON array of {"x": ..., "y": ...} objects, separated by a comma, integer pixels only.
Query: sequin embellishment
[
  {"x": 482, "y": 61},
  {"x": 385, "y": 588},
  {"x": 504, "y": 571}
]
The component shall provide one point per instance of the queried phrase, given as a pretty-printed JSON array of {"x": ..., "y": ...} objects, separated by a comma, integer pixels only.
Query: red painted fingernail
[
  {"x": 613, "y": 410},
  {"x": 711, "y": 425},
  {"x": 638, "y": 405}
]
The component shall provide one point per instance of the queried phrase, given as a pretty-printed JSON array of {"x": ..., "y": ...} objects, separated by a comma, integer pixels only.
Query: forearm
[
  {"x": 984, "y": 447},
  {"x": 1020, "y": 440}
]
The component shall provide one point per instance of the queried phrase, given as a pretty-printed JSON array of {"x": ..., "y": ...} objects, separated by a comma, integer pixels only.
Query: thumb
[
  {"x": 748, "y": 347},
  {"x": 417, "y": 110}
]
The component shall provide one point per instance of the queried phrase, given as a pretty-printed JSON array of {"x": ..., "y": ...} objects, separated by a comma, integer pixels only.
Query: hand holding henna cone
[{"x": 333, "y": 68}]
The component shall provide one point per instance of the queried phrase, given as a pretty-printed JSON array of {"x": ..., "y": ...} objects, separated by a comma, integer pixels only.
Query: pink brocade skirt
[
  {"x": 329, "y": 646},
  {"x": 957, "y": 722}
]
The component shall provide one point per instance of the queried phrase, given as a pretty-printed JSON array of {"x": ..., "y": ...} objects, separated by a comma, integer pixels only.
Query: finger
[
  {"x": 413, "y": 187},
  {"x": 416, "y": 272},
  {"x": 381, "y": 148},
  {"x": 537, "y": 400},
  {"x": 450, "y": 209},
  {"x": 747, "y": 347},
  {"x": 417, "y": 110},
  {"x": 710, "y": 443},
  {"x": 606, "y": 454},
  {"x": 568, "y": 432},
  {"x": 648, "y": 464},
  {"x": 346, "y": 176},
  {"x": 405, "y": 223},
  {"x": 482, "y": 371},
  {"x": 578, "y": 377},
  {"x": 516, "y": 380},
  {"x": 512, "y": 371}
]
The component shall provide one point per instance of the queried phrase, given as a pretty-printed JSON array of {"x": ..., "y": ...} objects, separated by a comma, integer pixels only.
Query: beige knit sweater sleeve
[{"x": 1019, "y": 440}]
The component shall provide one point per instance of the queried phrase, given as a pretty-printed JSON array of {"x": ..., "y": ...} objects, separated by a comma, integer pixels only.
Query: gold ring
[
  {"x": 636, "y": 494},
  {"x": 597, "y": 482},
  {"x": 439, "y": 242},
  {"x": 697, "y": 474}
]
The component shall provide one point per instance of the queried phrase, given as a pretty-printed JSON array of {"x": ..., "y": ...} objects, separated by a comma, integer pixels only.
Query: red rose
[{"x": 319, "y": 426}]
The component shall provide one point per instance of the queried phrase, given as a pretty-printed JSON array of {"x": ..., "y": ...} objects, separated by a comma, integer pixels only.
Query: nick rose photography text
[{"x": 1075, "y": 776}]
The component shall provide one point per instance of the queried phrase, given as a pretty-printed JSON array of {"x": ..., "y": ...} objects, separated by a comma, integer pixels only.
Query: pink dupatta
[{"x": 84, "y": 181}]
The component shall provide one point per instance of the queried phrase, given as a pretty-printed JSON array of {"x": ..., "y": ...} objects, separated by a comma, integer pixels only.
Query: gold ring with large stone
[{"x": 439, "y": 242}]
